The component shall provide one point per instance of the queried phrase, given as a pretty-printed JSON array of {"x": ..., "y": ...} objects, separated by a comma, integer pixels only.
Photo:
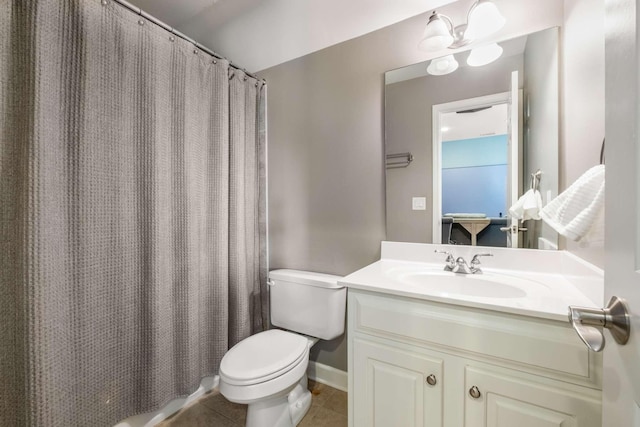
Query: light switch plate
[{"x": 419, "y": 203}]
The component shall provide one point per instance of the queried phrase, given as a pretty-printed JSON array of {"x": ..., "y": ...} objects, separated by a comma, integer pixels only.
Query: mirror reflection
[{"x": 463, "y": 143}]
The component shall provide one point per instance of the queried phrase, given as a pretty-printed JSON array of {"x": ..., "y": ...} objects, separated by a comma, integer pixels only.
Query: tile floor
[{"x": 328, "y": 409}]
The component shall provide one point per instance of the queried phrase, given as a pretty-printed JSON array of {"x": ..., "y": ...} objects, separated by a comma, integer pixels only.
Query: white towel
[
  {"x": 574, "y": 212},
  {"x": 527, "y": 207}
]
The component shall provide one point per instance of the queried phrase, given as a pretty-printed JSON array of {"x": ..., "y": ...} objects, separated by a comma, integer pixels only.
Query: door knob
[{"x": 614, "y": 317}]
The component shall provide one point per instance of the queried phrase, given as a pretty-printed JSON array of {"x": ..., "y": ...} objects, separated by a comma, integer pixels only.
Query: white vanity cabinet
[
  {"x": 415, "y": 362},
  {"x": 393, "y": 386}
]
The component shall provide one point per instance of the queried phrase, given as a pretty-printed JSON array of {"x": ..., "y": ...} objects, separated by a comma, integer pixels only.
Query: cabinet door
[
  {"x": 393, "y": 387},
  {"x": 505, "y": 401}
]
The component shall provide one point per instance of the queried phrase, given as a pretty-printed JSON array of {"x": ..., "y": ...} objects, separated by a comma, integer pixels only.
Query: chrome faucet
[{"x": 460, "y": 266}]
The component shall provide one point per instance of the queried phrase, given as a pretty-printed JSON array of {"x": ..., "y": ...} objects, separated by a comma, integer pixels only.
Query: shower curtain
[{"x": 132, "y": 213}]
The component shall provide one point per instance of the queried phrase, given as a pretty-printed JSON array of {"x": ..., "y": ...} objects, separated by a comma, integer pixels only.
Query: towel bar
[{"x": 400, "y": 160}]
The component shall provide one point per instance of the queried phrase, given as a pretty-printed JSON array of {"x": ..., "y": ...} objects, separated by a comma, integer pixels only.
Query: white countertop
[{"x": 550, "y": 289}]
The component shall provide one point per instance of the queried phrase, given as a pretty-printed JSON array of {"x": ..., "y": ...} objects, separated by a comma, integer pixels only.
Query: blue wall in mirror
[{"x": 474, "y": 175}]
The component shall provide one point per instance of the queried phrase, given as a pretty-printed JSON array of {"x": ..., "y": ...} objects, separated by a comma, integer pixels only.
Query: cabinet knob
[
  {"x": 431, "y": 380},
  {"x": 474, "y": 392}
]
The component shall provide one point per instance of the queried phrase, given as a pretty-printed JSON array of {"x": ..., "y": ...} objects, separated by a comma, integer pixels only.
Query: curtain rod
[{"x": 177, "y": 33}]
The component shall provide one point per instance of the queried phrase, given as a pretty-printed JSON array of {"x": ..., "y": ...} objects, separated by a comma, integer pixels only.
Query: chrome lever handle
[
  {"x": 475, "y": 262},
  {"x": 475, "y": 259},
  {"x": 450, "y": 260},
  {"x": 580, "y": 318},
  {"x": 614, "y": 317},
  {"x": 447, "y": 253}
]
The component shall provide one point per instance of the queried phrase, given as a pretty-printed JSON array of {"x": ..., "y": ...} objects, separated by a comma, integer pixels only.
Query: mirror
[{"x": 461, "y": 147}]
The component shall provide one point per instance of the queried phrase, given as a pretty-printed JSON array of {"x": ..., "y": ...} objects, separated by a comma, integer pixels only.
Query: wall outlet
[{"x": 419, "y": 203}]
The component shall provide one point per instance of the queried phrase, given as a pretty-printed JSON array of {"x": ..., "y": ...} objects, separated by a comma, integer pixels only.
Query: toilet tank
[{"x": 309, "y": 303}]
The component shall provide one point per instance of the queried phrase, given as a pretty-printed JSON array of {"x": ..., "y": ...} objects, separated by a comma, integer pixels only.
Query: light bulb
[
  {"x": 484, "y": 55},
  {"x": 484, "y": 19},
  {"x": 437, "y": 34},
  {"x": 441, "y": 66}
]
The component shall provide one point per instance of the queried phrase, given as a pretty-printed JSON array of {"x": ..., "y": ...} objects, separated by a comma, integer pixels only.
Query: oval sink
[
  {"x": 448, "y": 284},
  {"x": 468, "y": 285}
]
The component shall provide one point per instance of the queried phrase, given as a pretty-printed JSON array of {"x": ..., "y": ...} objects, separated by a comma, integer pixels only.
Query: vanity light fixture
[
  {"x": 438, "y": 33},
  {"x": 441, "y": 66},
  {"x": 483, "y": 19},
  {"x": 484, "y": 55}
]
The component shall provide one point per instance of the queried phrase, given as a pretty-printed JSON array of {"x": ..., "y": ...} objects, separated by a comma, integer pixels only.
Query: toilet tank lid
[{"x": 307, "y": 278}]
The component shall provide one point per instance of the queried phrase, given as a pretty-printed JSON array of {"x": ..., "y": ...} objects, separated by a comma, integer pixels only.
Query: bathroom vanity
[{"x": 433, "y": 348}]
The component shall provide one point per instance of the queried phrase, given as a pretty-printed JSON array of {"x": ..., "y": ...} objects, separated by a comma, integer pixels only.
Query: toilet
[{"x": 267, "y": 371}]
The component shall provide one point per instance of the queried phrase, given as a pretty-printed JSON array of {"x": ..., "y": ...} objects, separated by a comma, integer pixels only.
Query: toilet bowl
[
  {"x": 267, "y": 371},
  {"x": 262, "y": 371}
]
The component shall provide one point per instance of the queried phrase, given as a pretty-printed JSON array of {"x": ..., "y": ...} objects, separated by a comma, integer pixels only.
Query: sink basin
[
  {"x": 469, "y": 285},
  {"x": 447, "y": 284}
]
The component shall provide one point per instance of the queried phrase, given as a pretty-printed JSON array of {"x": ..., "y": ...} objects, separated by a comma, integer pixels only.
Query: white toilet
[{"x": 267, "y": 371}]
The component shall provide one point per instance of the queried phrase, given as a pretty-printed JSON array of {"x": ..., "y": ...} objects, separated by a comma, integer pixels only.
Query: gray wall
[
  {"x": 583, "y": 100},
  {"x": 541, "y": 130},
  {"x": 408, "y": 127},
  {"x": 325, "y": 119}
]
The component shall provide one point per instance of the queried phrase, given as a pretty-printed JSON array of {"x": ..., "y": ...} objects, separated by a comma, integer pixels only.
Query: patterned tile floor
[{"x": 328, "y": 409}]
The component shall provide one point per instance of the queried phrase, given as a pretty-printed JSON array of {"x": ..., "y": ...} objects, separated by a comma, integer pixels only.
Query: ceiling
[
  {"x": 259, "y": 34},
  {"x": 492, "y": 121},
  {"x": 179, "y": 14}
]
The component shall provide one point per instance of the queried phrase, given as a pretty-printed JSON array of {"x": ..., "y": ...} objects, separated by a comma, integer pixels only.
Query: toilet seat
[{"x": 262, "y": 357}]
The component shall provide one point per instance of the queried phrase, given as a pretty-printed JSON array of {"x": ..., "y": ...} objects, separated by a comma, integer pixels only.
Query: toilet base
[{"x": 281, "y": 411}]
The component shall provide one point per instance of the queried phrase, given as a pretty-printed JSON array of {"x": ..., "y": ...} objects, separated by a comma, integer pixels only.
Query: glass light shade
[
  {"x": 484, "y": 19},
  {"x": 436, "y": 35},
  {"x": 442, "y": 66},
  {"x": 484, "y": 55}
]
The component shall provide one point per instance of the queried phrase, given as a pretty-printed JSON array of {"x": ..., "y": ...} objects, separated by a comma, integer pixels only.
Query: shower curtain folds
[{"x": 132, "y": 213}]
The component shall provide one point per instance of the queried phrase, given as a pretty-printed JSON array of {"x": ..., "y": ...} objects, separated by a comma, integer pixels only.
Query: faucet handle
[
  {"x": 450, "y": 260},
  {"x": 475, "y": 261},
  {"x": 447, "y": 253}
]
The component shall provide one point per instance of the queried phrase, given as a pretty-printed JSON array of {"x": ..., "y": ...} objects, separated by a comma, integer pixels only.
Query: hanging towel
[
  {"x": 528, "y": 206},
  {"x": 574, "y": 212}
]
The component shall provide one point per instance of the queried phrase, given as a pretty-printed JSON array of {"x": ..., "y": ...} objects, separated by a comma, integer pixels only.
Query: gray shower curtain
[{"x": 132, "y": 213}]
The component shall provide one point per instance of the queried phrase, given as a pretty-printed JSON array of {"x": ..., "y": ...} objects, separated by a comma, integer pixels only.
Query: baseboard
[{"x": 328, "y": 375}]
